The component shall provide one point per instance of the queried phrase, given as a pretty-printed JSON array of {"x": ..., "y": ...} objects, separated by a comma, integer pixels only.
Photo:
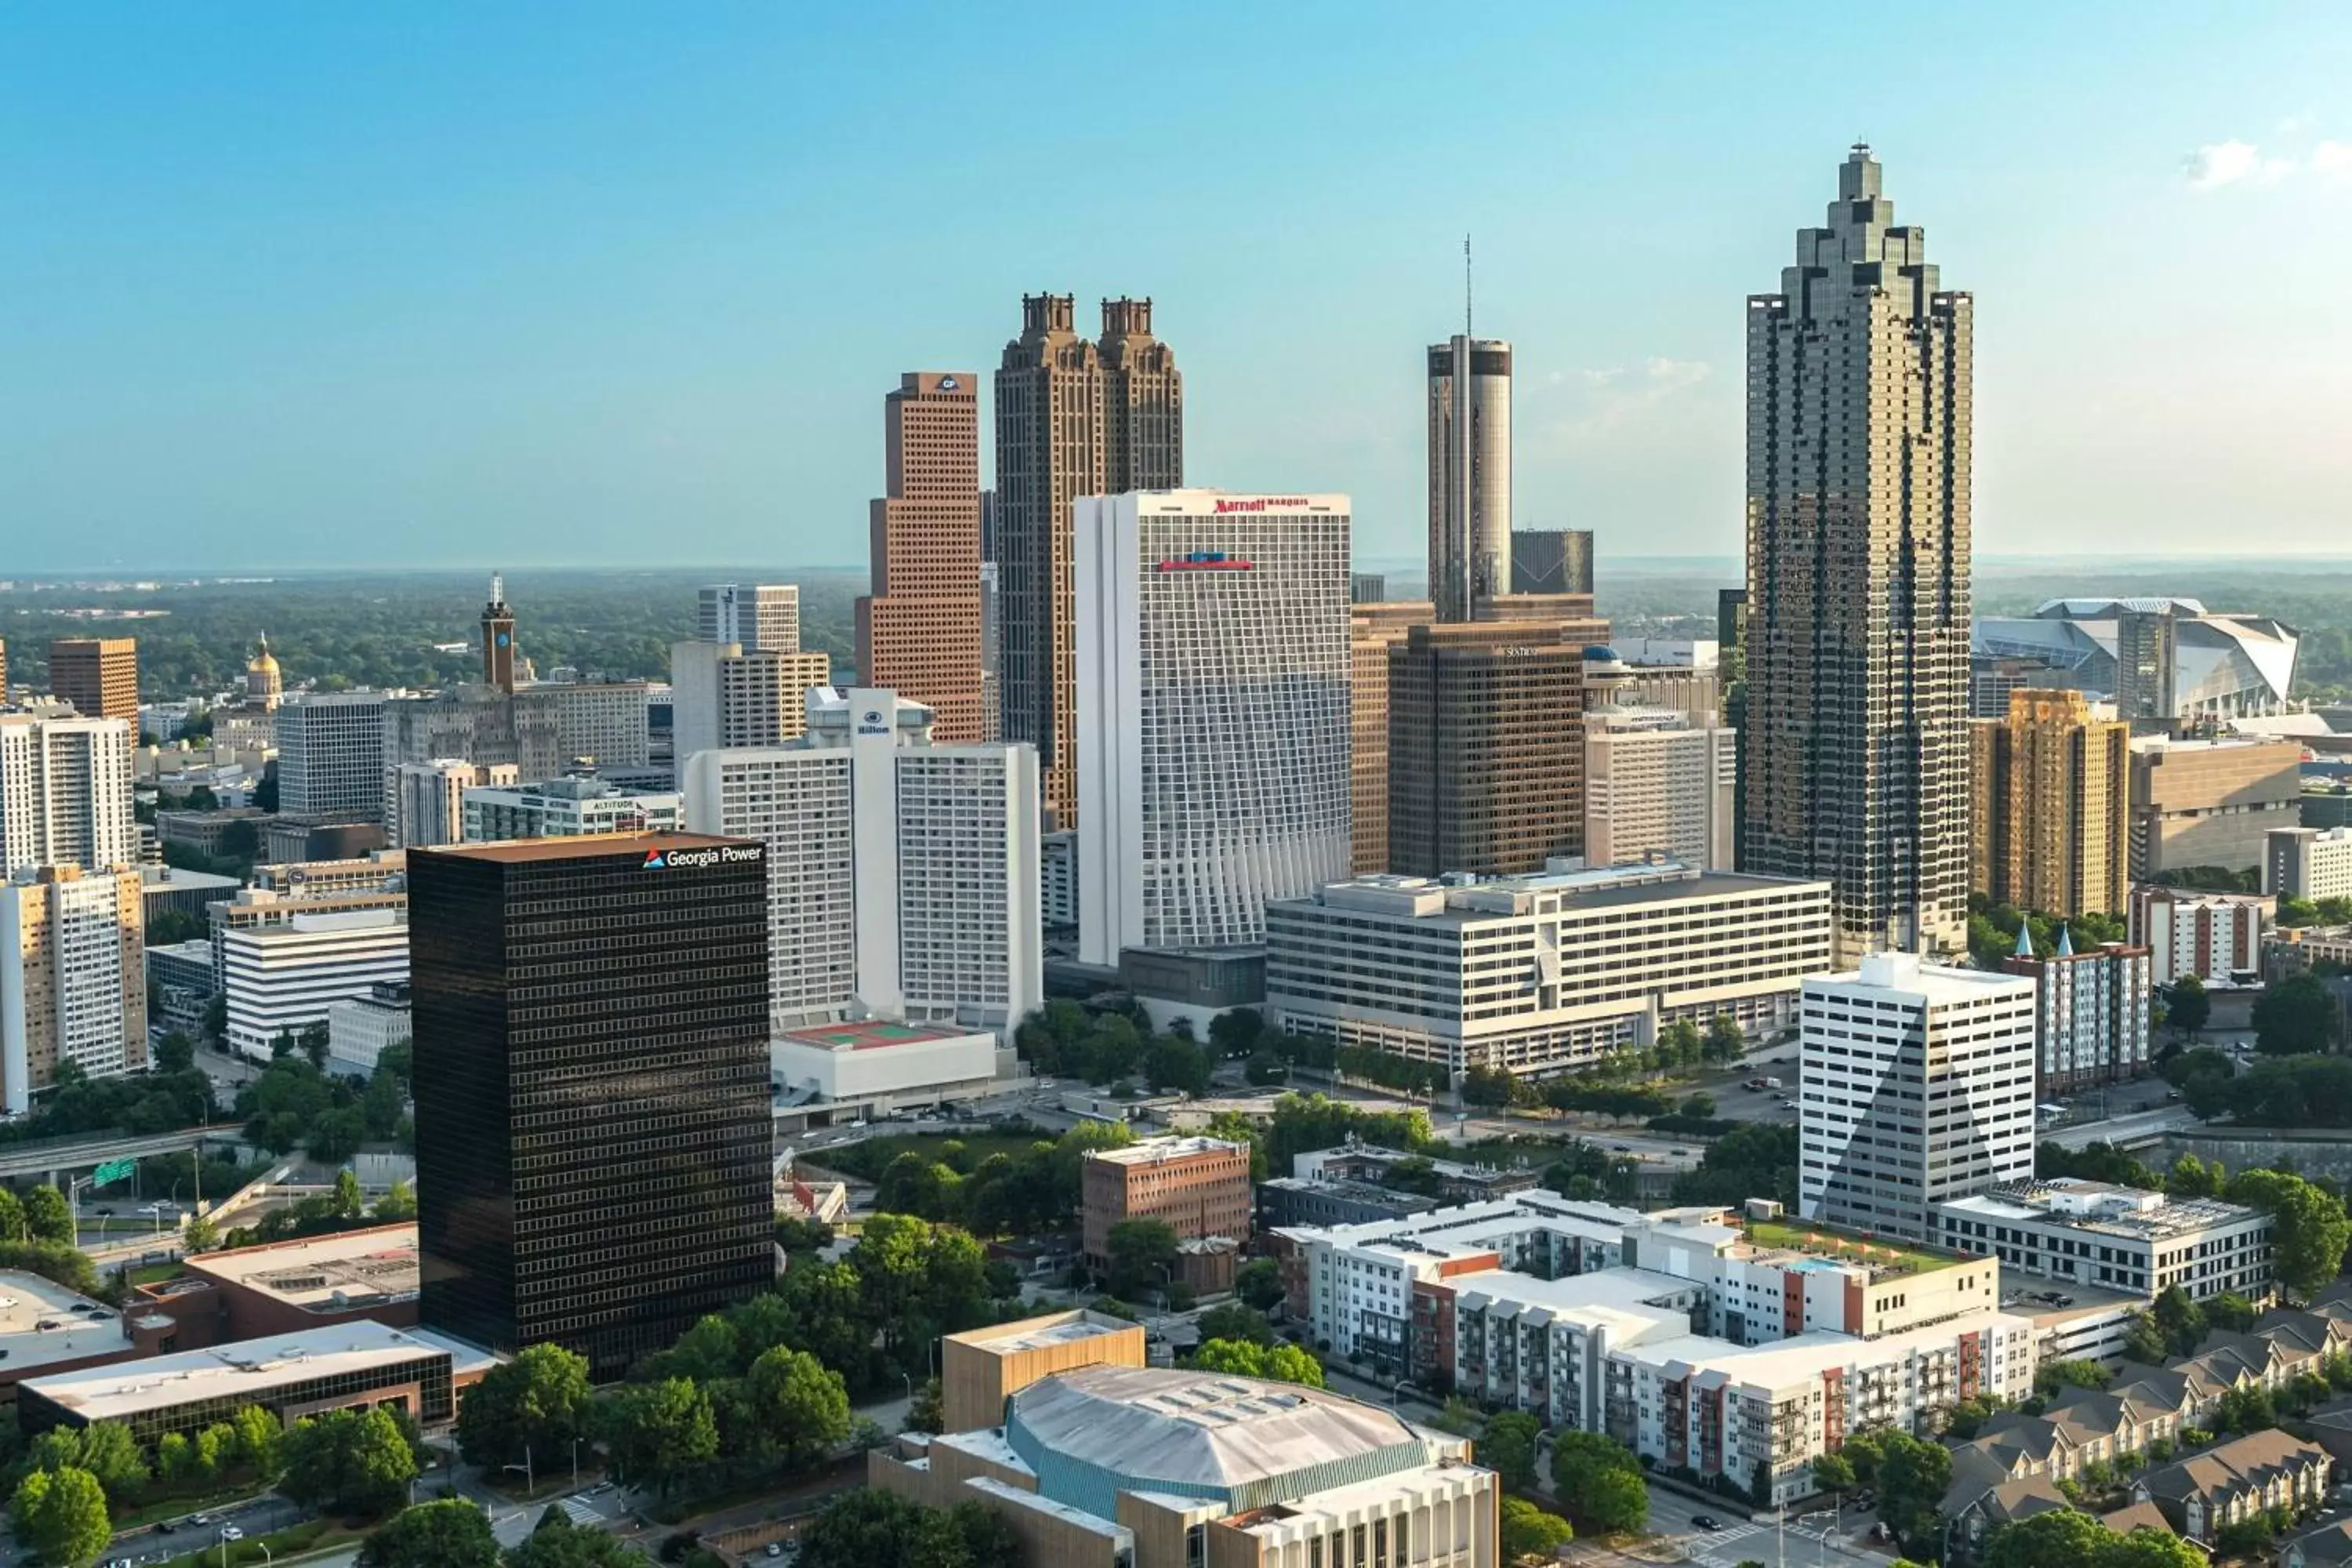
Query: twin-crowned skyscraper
[{"x": 1856, "y": 744}]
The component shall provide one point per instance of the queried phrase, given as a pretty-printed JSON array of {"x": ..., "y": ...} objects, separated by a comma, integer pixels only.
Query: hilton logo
[{"x": 870, "y": 724}]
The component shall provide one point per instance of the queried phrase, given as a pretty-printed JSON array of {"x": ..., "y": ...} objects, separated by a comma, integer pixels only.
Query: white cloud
[
  {"x": 2331, "y": 161},
  {"x": 2233, "y": 163},
  {"x": 1595, "y": 400}
]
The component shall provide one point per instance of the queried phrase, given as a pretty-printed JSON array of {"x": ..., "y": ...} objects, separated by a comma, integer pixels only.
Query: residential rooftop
[
  {"x": 1885, "y": 1260},
  {"x": 1803, "y": 1358}
]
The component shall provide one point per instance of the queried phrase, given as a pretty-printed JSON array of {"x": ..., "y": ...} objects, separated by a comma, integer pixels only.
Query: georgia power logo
[{"x": 655, "y": 860}]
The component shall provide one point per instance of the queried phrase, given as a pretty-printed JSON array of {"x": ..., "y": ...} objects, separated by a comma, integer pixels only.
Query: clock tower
[{"x": 498, "y": 639}]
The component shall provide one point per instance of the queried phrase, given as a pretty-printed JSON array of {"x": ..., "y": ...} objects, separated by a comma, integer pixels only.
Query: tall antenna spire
[{"x": 1465, "y": 286}]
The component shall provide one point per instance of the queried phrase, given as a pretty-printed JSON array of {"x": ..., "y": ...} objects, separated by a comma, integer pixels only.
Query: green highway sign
[{"x": 111, "y": 1171}]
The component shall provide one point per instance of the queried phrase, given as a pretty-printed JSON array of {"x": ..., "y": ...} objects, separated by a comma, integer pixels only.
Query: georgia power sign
[{"x": 698, "y": 857}]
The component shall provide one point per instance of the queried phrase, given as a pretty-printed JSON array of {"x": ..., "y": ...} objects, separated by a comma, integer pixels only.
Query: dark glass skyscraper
[{"x": 593, "y": 1121}]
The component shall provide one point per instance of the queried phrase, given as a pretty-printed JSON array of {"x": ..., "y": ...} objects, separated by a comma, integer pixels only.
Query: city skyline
[{"x": 433, "y": 335}]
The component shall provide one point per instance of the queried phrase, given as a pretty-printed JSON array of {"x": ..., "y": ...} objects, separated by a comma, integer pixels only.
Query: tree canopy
[{"x": 452, "y": 1533}]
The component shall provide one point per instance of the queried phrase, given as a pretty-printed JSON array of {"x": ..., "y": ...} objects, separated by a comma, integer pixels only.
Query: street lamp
[
  {"x": 575, "y": 1464},
  {"x": 1401, "y": 1384}
]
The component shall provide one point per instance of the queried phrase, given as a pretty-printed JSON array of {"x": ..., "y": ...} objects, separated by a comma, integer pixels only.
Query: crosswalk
[{"x": 1725, "y": 1549}]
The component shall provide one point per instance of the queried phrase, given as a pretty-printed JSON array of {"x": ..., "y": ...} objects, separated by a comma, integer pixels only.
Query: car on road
[
  {"x": 1705, "y": 1521},
  {"x": 231, "y": 1532}
]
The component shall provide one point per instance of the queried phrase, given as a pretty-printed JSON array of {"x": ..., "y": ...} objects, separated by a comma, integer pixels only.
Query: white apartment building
[
  {"x": 2307, "y": 862},
  {"x": 903, "y": 877},
  {"x": 331, "y": 759},
  {"x": 566, "y": 808},
  {"x": 284, "y": 978},
  {"x": 2116, "y": 1238},
  {"x": 425, "y": 803},
  {"x": 1062, "y": 878},
  {"x": 1213, "y": 714},
  {"x": 65, "y": 793},
  {"x": 1539, "y": 973},
  {"x": 73, "y": 977},
  {"x": 1655, "y": 784},
  {"x": 762, "y": 616},
  {"x": 727, "y": 695},
  {"x": 2218, "y": 937},
  {"x": 359, "y": 1027},
  {"x": 1917, "y": 1087}
]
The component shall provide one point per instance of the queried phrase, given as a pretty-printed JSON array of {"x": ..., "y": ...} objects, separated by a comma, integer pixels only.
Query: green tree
[
  {"x": 1234, "y": 1321},
  {"x": 1507, "y": 1446},
  {"x": 2077, "y": 1374},
  {"x": 175, "y": 1457},
  {"x": 2179, "y": 1320},
  {"x": 539, "y": 1402},
  {"x": 659, "y": 1431},
  {"x": 557, "y": 1542},
  {"x": 398, "y": 1203},
  {"x": 2312, "y": 1228},
  {"x": 452, "y": 1534},
  {"x": 1529, "y": 1531},
  {"x": 174, "y": 1053},
  {"x": 2149, "y": 1547},
  {"x": 798, "y": 1407},
  {"x": 2192, "y": 1178},
  {"x": 199, "y": 1234},
  {"x": 1259, "y": 1284},
  {"x": 257, "y": 1441},
  {"x": 2296, "y": 1016},
  {"x": 1142, "y": 1255},
  {"x": 927, "y": 1411},
  {"x": 1833, "y": 1473},
  {"x": 349, "y": 1463},
  {"x": 1583, "y": 1467},
  {"x": 2186, "y": 1007},
  {"x": 48, "y": 1215},
  {"x": 111, "y": 1453},
  {"x": 13, "y": 1225},
  {"x": 2232, "y": 1313},
  {"x": 62, "y": 1515},
  {"x": 1235, "y": 1031},
  {"x": 2060, "y": 1539},
  {"x": 916, "y": 1282},
  {"x": 1170, "y": 1064},
  {"x": 869, "y": 1527},
  {"x": 1724, "y": 1042},
  {"x": 1912, "y": 1477},
  {"x": 1290, "y": 1363},
  {"x": 1616, "y": 1501}
]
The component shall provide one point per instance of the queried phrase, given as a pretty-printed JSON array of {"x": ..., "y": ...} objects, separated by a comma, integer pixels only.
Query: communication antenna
[{"x": 1465, "y": 286}]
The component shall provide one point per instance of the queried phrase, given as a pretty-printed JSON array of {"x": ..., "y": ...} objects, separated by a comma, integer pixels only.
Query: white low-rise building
[
  {"x": 359, "y": 1027},
  {"x": 882, "y": 1066},
  {"x": 283, "y": 979},
  {"x": 566, "y": 808},
  {"x": 2112, "y": 1238},
  {"x": 1539, "y": 973}
]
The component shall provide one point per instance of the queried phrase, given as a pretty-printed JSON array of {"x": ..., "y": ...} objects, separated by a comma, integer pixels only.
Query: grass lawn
[
  {"x": 1890, "y": 1256},
  {"x": 155, "y": 1273},
  {"x": 868, "y": 1159}
]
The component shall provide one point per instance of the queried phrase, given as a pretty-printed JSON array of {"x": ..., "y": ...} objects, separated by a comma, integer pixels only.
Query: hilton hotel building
[{"x": 1213, "y": 660}]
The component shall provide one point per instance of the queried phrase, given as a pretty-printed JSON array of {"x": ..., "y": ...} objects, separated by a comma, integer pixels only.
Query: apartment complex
[
  {"x": 1469, "y": 473},
  {"x": 1854, "y": 750},
  {"x": 100, "y": 675},
  {"x": 1918, "y": 1088},
  {"x": 2050, "y": 827},
  {"x": 1199, "y": 1187},
  {"x": 918, "y": 631},
  {"x": 901, "y": 874},
  {"x": 723, "y": 694},
  {"x": 2091, "y": 1010},
  {"x": 282, "y": 979},
  {"x": 1212, "y": 682},
  {"x": 2309, "y": 863},
  {"x": 330, "y": 755},
  {"x": 2218, "y": 937},
  {"x": 1656, "y": 783},
  {"x": 1537, "y": 974},
  {"x": 766, "y": 615},
  {"x": 1552, "y": 561},
  {"x": 593, "y": 1121},
  {"x": 2210, "y": 802},
  {"x": 1373, "y": 629},
  {"x": 2109, "y": 1238},
  {"x": 1073, "y": 418},
  {"x": 566, "y": 808},
  {"x": 425, "y": 803},
  {"x": 73, "y": 977},
  {"x": 64, "y": 793}
]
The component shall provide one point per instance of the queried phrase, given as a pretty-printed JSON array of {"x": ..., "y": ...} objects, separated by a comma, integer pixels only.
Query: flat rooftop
[
  {"x": 240, "y": 1372},
  {"x": 1150, "y": 1150},
  {"x": 1802, "y": 1358},
  {"x": 2035, "y": 1200},
  {"x": 1884, "y": 1258},
  {"x": 326, "y": 1273},
  {"x": 28, "y": 1300},
  {"x": 1037, "y": 1334},
  {"x": 592, "y": 847},
  {"x": 869, "y": 1036}
]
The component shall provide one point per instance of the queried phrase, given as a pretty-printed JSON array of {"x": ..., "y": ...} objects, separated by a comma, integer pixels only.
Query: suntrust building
[{"x": 592, "y": 1123}]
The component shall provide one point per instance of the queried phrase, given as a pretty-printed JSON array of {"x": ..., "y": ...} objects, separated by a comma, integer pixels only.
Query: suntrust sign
[
  {"x": 705, "y": 855},
  {"x": 1263, "y": 503}
]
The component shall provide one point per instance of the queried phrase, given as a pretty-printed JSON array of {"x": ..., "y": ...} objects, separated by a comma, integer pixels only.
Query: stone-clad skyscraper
[
  {"x": 918, "y": 631},
  {"x": 1073, "y": 418},
  {"x": 1856, "y": 754}
]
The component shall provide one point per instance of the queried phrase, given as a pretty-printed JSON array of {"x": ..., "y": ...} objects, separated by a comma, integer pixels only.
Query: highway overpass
[{"x": 51, "y": 1157}]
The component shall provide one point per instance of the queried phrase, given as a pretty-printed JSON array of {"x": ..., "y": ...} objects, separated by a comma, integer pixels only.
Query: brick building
[{"x": 1199, "y": 1187}]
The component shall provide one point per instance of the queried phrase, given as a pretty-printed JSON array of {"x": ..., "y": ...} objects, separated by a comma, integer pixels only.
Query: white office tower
[
  {"x": 763, "y": 615},
  {"x": 73, "y": 979},
  {"x": 1213, "y": 744},
  {"x": 1656, "y": 786},
  {"x": 330, "y": 756},
  {"x": 723, "y": 694},
  {"x": 1917, "y": 1089},
  {"x": 64, "y": 793},
  {"x": 902, "y": 876},
  {"x": 1469, "y": 474},
  {"x": 425, "y": 803},
  {"x": 285, "y": 979}
]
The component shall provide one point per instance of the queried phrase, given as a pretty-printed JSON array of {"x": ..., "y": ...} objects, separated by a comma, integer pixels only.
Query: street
[{"x": 178, "y": 1537}]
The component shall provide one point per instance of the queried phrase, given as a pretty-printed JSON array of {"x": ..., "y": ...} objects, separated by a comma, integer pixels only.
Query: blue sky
[{"x": 426, "y": 284}]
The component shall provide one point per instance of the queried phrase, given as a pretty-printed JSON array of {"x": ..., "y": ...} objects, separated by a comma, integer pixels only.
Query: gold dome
[{"x": 263, "y": 663}]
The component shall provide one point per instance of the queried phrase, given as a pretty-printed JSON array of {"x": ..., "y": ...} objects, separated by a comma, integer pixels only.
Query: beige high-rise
[
  {"x": 919, "y": 633},
  {"x": 2050, "y": 828},
  {"x": 1372, "y": 629},
  {"x": 1855, "y": 754},
  {"x": 100, "y": 675},
  {"x": 1073, "y": 418},
  {"x": 73, "y": 981}
]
